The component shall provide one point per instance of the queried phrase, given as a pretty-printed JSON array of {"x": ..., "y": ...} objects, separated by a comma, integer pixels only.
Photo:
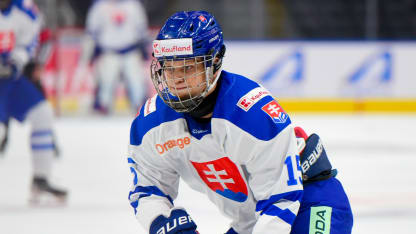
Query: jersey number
[{"x": 290, "y": 170}]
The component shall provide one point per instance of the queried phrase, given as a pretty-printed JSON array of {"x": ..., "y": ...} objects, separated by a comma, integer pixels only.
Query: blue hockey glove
[
  {"x": 313, "y": 159},
  {"x": 179, "y": 222}
]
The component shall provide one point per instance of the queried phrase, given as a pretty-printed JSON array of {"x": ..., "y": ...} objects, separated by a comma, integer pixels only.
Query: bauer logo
[
  {"x": 223, "y": 177},
  {"x": 252, "y": 97},
  {"x": 171, "y": 144},
  {"x": 213, "y": 39},
  {"x": 172, "y": 47},
  {"x": 275, "y": 111}
]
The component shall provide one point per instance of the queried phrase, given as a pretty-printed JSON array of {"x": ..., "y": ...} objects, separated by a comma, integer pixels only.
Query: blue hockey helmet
[
  {"x": 187, "y": 36},
  {"x": 201, "y": 26}
]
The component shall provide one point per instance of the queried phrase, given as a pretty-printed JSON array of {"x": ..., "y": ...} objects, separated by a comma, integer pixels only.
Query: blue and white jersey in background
[
  {"x": 19, "y": 30},
  {"x": 116, "y": 25},
  {"x": 245, "y": 160}
]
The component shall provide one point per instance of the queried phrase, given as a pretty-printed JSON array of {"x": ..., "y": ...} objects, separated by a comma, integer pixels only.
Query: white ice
[{"x": 375, "y": 156}]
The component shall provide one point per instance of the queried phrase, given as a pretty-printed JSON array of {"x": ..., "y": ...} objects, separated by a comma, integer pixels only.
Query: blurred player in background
[
  {"x": 20, "y": 98},
  {"x": 227, "y": 137},
  {"x": 118, "y": 30}
]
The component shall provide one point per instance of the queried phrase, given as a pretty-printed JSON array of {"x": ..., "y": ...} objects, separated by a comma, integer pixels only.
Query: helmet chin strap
[{"x": 210, "y": 76}]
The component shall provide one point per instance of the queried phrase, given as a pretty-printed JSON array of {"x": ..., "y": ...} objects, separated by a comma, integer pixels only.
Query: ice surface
[{"x": 375, "y": 156}]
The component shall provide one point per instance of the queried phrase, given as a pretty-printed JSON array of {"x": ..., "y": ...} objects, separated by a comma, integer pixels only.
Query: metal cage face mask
[{"x": 183, "y": 83}]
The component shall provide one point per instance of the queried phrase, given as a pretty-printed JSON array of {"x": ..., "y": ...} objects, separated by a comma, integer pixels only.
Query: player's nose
[{"x": 179, "y": 76}]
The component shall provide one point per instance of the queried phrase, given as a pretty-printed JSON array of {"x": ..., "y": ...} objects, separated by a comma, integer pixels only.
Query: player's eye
[
  {"x": 189, "y": 67},
  {"x": 168, "y": 70}
]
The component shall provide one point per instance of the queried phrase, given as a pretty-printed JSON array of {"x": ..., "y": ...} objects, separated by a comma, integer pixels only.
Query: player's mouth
[{"x": 176, "y": 88}]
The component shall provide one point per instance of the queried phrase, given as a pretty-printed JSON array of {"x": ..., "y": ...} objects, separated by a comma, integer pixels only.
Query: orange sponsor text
[{"x": 180, "y": 142}]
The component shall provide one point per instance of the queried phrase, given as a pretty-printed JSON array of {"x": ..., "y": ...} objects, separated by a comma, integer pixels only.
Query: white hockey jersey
[
  {"x": 245, "y": 159},
  {"x": 19, "y": 31},
  {"x": 117, "y": 25}
]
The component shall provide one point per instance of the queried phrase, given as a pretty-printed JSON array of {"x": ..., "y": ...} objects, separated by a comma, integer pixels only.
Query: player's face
[
  {"x": 4, "y": 4},
  {"x": 185, "y": 78}
]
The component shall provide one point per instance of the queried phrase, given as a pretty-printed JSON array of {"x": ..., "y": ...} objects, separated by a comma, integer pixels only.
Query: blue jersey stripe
[
  {"x": 130, "y": 160},
  {"x": 135, "y": 180},
  {"x": 286, "y": 215},
  {"x": 148, "y": 191},
  {"x": 42, "y": 146},
  {"x": 41, "y": 133},
  {"x": 134, "y": 205},
  {"x": 290, "y": 196},
  {"x": 267, "y": 207}
]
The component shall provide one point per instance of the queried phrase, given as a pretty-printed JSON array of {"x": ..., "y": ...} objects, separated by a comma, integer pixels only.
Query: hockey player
[
  {"x": 20, "y": 99},
  {"x": 227, "y": 137},
  {"x": 118, "y": 31}
]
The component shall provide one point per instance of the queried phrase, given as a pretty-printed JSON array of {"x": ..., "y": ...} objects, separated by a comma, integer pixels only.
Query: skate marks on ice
[{"x": 374, "y": 155}]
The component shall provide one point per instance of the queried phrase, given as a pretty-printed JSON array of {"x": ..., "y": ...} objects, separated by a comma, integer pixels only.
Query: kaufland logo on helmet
[
  {"x": 175, "y": 49},
  {"x": 172, "y": 47}
]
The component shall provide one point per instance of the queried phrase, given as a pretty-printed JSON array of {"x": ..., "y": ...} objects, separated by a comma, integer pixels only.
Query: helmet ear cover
[{"x": 220, "y": 56}]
